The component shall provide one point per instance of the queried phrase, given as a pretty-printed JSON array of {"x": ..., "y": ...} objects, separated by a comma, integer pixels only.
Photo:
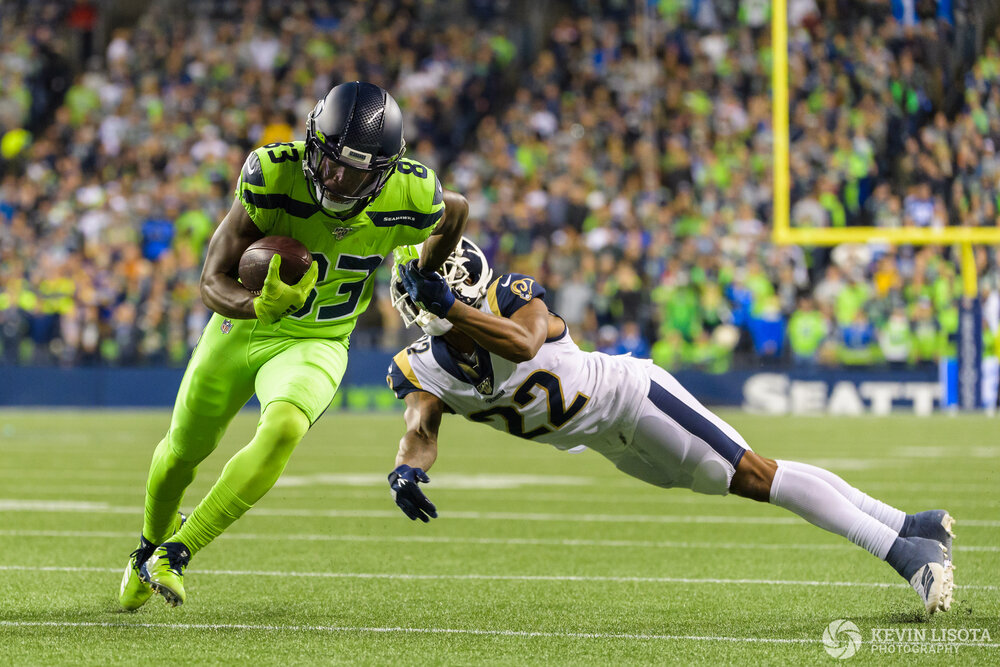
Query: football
[{"x": 295, "y": 261}]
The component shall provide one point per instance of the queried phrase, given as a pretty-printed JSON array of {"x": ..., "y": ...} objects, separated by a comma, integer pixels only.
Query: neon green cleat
[
  {"x": 135, "y": 589},
  {"x": 165, "y": 571}
]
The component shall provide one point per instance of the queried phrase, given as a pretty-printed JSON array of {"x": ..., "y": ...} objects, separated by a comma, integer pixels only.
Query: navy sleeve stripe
[
  {"x": 438, "y": 192},
  {"x": 299, "y": 209},
  {"x": 407, "y": 218},
  {"x": 252, "y": 173},
  {"x": 696, "y": 423}
]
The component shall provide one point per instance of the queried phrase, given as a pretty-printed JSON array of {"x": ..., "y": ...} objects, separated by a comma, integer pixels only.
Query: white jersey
[{"x": 563, "y": 396}]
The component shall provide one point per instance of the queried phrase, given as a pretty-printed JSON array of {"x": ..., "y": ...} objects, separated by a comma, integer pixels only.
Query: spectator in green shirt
[
  {"x": 850, "y": 301},
  {"x": 926, "y": 333},
  {"x": 895, "y": 338},
  {"x": 807, "y": 329},
  {"x": 669, "y": 352}
]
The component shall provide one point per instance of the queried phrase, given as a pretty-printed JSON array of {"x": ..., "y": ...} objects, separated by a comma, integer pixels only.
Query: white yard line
[
  {"x": 501, "y": 577},
  {"x": 919, "y": 487},
  {"x": 46, "y": 473},
  {"x": 451, "y": 481},
  {"x": 448, "y": 631},
  {"x": 58, "y": 490},
  {"x": 636, "y": 495},
  {"x": 13, "y": 504},
  {"x": 437, "y": 631},
  {"x": 426, "y": 539},
  {"x": 509, "y": 541},
  {"x": 28, "y": 490}
]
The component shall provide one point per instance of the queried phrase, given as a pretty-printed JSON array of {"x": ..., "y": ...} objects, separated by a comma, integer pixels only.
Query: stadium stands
[
  {"x": 625, "y": 162},
  {"x": 105, "y": 213}
]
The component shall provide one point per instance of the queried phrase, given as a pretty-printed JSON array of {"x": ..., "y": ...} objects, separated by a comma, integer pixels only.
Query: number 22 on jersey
[{"x": 559, "y": 413}]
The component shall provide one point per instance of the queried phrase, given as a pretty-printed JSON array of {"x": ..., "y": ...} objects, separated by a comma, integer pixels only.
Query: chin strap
[{"x": 334, "y": 207}]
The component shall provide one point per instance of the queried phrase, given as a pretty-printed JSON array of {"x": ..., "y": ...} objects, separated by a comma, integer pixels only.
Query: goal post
[
  {"x": 969, "y": 342},
  {"x": 780, "y": 140},
  {"x": 784, "y": 233}
]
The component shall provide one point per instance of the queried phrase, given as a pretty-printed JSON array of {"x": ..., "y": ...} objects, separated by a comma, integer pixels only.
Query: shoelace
[
  {"x": 144, "y": 552},
  {"x": 176, "y": 562}
]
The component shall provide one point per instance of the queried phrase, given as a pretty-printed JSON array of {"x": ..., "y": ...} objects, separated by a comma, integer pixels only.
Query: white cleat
[
  {"x": 949, "y": 588},
  {"x": 935, "y": 584},
  {"x": 925, "y": 564}
]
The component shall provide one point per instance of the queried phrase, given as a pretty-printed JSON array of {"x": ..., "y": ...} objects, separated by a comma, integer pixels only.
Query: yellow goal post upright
[{"x": 785, "y": 234}]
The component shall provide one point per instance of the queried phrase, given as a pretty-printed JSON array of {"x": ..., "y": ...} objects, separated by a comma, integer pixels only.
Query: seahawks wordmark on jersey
[{"x": 275, "y": 193}]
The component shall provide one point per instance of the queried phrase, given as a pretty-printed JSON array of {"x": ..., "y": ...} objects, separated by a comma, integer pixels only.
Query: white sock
[
  {"x": 887, "y": 514},
  {"x": 819, "y": 503}
]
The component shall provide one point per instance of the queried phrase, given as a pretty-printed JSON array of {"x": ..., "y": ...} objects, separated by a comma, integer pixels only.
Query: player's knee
[
  {"x": 191, "y": 445},
  {"x": 283, "y": 424},
  {"x": 753, "y": 477},
  {"x": 711, "y": 476}
]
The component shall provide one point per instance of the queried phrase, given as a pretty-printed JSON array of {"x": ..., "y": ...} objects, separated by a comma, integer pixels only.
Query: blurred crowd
[
  {"x": 112, "y": 184},
  {"x": 624, "y": 159},
  {"x": 632, "y": 174}
]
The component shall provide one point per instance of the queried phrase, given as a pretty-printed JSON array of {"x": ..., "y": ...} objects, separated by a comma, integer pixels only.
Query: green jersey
[
  {"x": 276, "y": 195},
  {"x": 807, "y": 329}
]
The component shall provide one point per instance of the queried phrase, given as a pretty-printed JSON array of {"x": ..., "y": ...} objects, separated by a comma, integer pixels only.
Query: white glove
[{"x": 432, "y": 324}]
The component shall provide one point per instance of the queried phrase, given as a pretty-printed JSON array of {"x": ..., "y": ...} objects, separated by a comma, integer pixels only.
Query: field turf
[{"x": 539, "y": 557}]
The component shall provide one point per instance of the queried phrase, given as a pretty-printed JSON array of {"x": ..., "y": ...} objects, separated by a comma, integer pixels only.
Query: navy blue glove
[
  {"x": 403, "y": 482},
  {"x": 427, "y": 289}
]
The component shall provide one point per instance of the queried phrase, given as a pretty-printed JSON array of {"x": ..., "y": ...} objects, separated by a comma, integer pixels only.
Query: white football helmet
[{"x": 466, "y": 271}]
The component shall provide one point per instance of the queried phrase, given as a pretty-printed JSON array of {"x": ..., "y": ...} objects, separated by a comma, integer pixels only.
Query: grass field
[{"x": 539, "y": 557}]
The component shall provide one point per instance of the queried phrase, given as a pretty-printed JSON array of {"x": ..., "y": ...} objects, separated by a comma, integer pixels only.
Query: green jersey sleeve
[
  {"x": 251, "y": 183},
  {"x": 412, "y": 205},
  {"x": 269, "y": 175}
]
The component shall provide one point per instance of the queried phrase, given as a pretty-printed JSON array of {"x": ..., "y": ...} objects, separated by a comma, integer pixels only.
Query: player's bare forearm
[
  {"x": 220, "y": 291},
  {"x": 418, "y": 446},
  {"x": 416, "y": 451},
  {"x": 224, "y": 295},
  {"x": 447, "y": 234},
  {"x": 517, "y": 338}
]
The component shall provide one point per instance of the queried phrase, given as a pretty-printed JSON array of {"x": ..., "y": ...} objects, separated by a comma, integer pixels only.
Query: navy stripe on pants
[{"x": 693, "y": 421}]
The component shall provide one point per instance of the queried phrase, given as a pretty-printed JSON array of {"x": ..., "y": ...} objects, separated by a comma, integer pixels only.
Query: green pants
[
  {"x": 295, "y": 380},
  {"x": 234, "y": 360}
]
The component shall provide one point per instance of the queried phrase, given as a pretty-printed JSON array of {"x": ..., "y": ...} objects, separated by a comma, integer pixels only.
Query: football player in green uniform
[{"x": 347, "y": 194}]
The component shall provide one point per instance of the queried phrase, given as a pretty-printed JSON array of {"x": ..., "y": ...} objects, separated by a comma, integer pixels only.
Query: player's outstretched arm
[
  {"x": 417, "y": 452},
  {"x": 516, "y": 338},
  {"x": 220, "y": 291},
  {"x": 447, "y": 234},
  {"x": 418, "y": 446}
]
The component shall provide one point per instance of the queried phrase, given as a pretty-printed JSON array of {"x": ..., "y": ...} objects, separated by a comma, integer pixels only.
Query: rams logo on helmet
[{"x": 523, "y": 288}]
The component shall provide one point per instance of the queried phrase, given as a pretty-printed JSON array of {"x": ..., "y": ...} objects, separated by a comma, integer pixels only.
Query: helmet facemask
[
  {"x": 401, "y": 301},
  {"x": 342, "y": 180},
  {"x": 466, "y": 272}
]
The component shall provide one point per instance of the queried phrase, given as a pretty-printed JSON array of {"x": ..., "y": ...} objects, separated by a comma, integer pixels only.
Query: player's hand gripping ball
[
  {"x": 278, "y": 298},
  {"x": 256, "y": 260},
  {"x": 427, "y": 289}
]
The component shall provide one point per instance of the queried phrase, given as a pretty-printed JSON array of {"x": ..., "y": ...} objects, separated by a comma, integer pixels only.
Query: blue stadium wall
[{"x": 769, "y": 392}]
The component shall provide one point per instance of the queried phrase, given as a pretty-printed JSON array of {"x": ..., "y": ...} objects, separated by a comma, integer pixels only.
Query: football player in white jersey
[{"x": 495, "y": 354}]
